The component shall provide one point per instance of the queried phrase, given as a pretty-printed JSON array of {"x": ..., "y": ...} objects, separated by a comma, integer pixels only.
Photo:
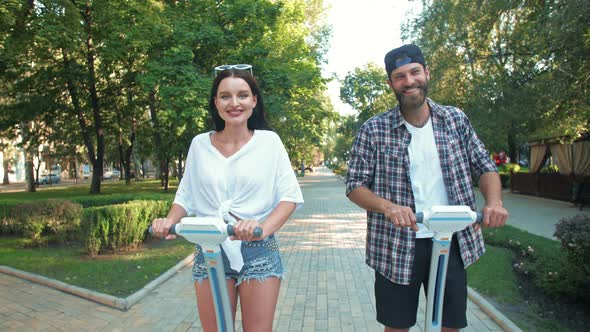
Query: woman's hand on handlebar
[
  {"x": 160, "y": 227},
  {"x": 244, "y": 230},
  {"x": 401, "y": 216}
]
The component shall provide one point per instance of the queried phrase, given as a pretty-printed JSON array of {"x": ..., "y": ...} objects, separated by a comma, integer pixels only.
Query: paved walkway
[
  {"x": 536, "y": 215},
  {"x": 327, "y": 287}
]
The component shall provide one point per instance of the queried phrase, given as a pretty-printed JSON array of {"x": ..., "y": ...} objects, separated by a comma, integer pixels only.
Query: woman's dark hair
[{"x": 258, "y": 118}]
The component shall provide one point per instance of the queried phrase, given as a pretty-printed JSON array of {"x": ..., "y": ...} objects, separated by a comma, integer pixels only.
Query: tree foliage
[
  {"x": 520, "y": 69},
  {"x": 115, "y": 77},
  {"x": 366, "y": 90}
]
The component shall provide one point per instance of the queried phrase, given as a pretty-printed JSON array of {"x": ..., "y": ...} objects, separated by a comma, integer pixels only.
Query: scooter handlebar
[
  {"x": 420, "y": 217},
  {"x": 230, "y": 230},
  {"x": 257, "y": 231},
  {"x": 171, "y": 230}
]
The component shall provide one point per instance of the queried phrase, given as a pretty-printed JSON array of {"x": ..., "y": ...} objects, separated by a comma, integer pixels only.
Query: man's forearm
[
  {"x": 491, "y": 188},
  {"x": 365, "y": 198}
]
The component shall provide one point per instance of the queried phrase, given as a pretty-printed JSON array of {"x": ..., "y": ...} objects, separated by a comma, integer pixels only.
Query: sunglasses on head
[{"x": 241, "y": 66}]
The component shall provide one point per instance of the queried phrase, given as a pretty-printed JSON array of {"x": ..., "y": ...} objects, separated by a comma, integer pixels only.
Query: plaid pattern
[{"x": 379, "y": 161}]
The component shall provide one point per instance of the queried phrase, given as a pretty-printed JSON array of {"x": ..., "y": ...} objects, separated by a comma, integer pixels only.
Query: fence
[{"x": 552, "y": 185}]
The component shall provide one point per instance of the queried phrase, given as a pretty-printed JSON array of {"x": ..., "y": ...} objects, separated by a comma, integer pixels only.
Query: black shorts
[{"x": 397, "y": 305}]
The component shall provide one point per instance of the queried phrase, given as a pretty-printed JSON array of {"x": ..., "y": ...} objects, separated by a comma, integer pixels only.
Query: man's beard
[{"x": 408, "y": 103}]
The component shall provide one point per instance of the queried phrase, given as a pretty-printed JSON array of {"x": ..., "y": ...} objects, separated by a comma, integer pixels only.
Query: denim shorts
[{"x": 262, "y": 260}]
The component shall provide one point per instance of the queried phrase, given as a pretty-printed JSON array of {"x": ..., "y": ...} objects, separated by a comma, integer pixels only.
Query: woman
[{"x": 240, "y": 172}]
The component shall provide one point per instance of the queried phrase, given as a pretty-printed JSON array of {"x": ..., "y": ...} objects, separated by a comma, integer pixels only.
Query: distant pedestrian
[{"x": 414, "y": 156}]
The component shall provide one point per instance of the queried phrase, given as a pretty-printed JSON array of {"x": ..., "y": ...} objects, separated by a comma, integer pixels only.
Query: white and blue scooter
[
  {"x": 443, "y": 221},
  {"x": 209, "y": 233}
]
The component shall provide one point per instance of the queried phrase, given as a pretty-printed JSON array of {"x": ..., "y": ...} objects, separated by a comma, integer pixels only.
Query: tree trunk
[
  {"x": 29, "y": 158},
  {"x": 180, "y": 168},
  {"x": 128, "y": 153},
  {"x": 74, "y": 167},
  {"x": 157, "y": 137},
  {"x": 6, "y": 165},
  {"x": 80, "y": 116},
  {"x": 512, "y": 148},
  {"x": 165, "y": 175},
  {"x": 36, "y": 174},
  {"x": 29, "y": 175},
  {"x": 127, "y": 157},
  {"x": 99, "y": 161}
]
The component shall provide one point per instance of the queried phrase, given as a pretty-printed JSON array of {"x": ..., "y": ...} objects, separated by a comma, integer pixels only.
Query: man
[{"x": 403, "y": 161}]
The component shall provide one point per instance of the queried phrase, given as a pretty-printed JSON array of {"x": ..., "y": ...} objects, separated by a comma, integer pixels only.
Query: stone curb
[
  {"x": 112, "y": 301},
  {"x": 505, "y": 323}
]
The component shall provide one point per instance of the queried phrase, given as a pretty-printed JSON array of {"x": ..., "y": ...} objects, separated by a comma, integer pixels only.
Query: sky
[{"x": 362, "y": 32}]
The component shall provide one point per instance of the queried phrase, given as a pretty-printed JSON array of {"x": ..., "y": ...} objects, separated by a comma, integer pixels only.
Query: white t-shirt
[{"x": 426, "y": 176}]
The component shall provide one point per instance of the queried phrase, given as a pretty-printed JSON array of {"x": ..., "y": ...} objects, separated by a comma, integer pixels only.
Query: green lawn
[
  {"x": 136, "y": 190},
  {"x": 119, "y": 275},
  {"x": 494, "y": 277}
]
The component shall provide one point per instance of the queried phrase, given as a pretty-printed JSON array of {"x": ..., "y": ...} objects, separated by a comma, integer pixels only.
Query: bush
[
  {"x": 340, "y": 169},
  {"x": 557, "y": 278},
  {"x": 58, "y": 218},
  {"x": 9, "y": 225},
  {"x": 574, "y": 234},
  {"x": 541, "y": 261},
  {"x": 32, "y": 230},
  {"x": 87, "y": 202},
  {"x": 551, "y": 169},
  {"x": 91, "y": 201},
  {"x": 119, "y": 227},
  {"x": 504, "y": 170},
  {"x": 509, "y": 168},
  {"x": 505, "y": 180}
]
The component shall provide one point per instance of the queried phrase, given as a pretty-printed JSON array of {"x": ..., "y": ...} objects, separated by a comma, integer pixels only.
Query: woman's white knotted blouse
[{"x": 249, "y": 184}]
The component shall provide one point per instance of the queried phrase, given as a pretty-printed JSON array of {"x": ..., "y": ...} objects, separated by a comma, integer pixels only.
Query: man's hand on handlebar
[
  {"x": 160, "y": 227},
  {"x": 494, "y": 215},
  {"x": 401, "y": 216}
]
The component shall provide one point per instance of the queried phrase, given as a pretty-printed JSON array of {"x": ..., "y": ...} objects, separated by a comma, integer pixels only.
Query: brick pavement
[{"x": 327, "y": 286}]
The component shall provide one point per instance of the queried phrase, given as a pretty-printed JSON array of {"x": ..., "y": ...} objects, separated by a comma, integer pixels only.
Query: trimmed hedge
[
  {"x": 92, "y": 201},
  {"x": 119, "y": 227},
  {"x": 8, "y": 224},
  {"x": 58, "y": 218}
]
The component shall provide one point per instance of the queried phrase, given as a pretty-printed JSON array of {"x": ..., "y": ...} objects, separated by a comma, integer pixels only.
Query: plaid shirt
[{"x": 380, "y": 161}]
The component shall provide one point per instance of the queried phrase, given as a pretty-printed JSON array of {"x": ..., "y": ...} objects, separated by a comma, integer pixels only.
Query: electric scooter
[
  {"x": 209, "y": 233},
  {"x": 443, "y": 221}
]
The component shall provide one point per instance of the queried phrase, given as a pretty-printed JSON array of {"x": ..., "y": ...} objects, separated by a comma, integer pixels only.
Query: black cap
[{"x": 402, "y": 56}]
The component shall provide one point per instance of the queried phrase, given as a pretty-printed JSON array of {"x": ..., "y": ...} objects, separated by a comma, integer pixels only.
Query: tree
[
  {"x": 489, "y": 58},
  {"x": 287, "y": 65},
  {"x": 365, "y": 90},
  {"x": 124, "y": 71}
]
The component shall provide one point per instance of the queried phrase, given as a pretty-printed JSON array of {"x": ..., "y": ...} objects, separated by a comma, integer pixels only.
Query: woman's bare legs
[
  {"x": 205, "y": 303},
  {"x": 258, "y": 301}
]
